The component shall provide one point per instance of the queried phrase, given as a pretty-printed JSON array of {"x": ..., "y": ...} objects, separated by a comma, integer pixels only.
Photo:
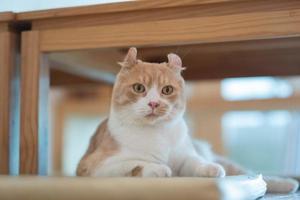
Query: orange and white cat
[{"x": 146, "y": 135}]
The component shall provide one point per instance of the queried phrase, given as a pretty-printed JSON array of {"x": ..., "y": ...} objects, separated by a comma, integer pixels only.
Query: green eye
[
  {"x": 167, "y": 90},
  {"x": 138, "y": 88}
]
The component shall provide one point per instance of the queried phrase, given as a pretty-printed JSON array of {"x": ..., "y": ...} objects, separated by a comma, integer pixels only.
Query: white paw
[
  {"x": 156, "y": 170},
  {"x": 210, "y": 170}
]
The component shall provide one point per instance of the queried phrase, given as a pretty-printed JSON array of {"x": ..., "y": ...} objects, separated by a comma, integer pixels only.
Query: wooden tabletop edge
[
  {"x": 7, "y": 16},
  {"x": 111, "y": 8}
]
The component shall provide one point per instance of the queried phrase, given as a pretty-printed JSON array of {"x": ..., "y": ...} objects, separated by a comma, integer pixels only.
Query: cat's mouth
[{"x": 151, "y": 115}]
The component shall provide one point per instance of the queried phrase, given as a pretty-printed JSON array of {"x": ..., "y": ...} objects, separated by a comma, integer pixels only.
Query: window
[
  {"x": 77, "y": 133},
  {"x": 235, "y": 89}
]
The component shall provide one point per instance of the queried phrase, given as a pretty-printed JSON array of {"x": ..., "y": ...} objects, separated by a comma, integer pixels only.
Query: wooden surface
[
  {"x": 170, "y": 13},
  {"x": 35, "y": 188},
  {"x": 30, "y": 64},
  {"x": 114, "y": 7},
  {"x": 260, "y": 25},
  {"x": 7, "y": 67},
  {"x": 62, "y": 79},
  {"x": 98, "y": 66},
  {"x": 279, "y": 57},
  {"x": 6, "y": 16}
]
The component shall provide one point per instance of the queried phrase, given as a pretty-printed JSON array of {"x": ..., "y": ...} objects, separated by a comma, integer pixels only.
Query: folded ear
[
  {"x": 175, "y": 63},
  {"x": 130, "y": 59}
]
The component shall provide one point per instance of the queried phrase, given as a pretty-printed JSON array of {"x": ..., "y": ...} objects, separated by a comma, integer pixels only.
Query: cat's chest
[
  {"x": 154, "y": 143},
  {"x": 145, "y": 138}
]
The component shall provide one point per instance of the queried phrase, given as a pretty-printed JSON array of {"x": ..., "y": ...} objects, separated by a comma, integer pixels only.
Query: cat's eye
[
  {"x": 167, "y": 90},
  {"x": 138, "y": 88}
]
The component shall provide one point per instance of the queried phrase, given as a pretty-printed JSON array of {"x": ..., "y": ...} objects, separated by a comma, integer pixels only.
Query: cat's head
[{"x": 149, "y": 93}]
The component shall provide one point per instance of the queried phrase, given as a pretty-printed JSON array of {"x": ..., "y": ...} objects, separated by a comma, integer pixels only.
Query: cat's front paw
[
  {"x": 156, "y": 170},
  {"x": 210, "y": 170}
]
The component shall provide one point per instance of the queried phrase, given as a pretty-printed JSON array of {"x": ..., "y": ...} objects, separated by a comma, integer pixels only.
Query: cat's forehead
[{"x": 153, "y": 73}]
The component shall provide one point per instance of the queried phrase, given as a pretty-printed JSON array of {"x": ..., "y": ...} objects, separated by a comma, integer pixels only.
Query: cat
[{"x": 146, "y": 135}]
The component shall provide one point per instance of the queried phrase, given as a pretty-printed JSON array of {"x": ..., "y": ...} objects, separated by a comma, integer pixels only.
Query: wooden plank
[
  {"x": 4, "y": 27},
  {"x": 7, "y": 16},
  {"x": 34, "y": 91},
  {"x": 274, "y": 57},
  {"x": 62, "y": 79},
  {"x": 113, "y": 8},
  {"x": 237, "y": 27},
  {"x": 7, "y": 67},
  {"x": 99, "y": 66},
  {"x": 271, "y": 57},
  {"x": 180, "y": 12},
  {"x": 52, "y": 188}
]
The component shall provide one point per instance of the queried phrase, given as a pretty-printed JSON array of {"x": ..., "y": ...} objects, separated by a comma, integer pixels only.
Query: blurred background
[{"x": 254, "y": 120}]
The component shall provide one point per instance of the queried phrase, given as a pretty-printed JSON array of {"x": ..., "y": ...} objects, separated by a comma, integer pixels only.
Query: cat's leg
[
  {"x": 186, "y": 161},
  {"x": 133, "y": 168},
  {"x": 192, "y": 165}
]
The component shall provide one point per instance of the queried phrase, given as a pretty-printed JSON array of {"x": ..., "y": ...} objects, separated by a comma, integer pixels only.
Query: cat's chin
[
  {"x": 155, "y": 119},
  {"x": 152, "y": 116}
]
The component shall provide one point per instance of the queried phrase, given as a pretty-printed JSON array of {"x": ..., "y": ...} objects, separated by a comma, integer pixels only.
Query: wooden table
[
  {"x": 8, "y": 51},
  {"x": 258, "y": 33},
  {"x": 52, "y": 188}
]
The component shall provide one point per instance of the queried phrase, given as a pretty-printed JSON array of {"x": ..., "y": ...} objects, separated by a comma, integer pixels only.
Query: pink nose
[{"x": 153, "y": 104}]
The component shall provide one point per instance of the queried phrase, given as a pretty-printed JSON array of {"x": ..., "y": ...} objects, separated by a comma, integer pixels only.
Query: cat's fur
[{"x": 146, "y": 135}]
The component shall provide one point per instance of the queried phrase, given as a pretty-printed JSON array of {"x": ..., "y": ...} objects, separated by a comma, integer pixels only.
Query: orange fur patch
[
  {"x": 137, "y": 171},
  {"x": 102, "y": 145}
]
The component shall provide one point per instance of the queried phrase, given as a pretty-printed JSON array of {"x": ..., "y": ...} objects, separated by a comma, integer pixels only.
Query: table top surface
[
  {"x": 113, "y": 7},
  {"x": 7, "y": 16}
]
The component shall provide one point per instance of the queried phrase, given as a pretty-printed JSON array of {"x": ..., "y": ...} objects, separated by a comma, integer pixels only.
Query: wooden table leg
[
  {"x": 34, "y": 105},
  {"x": 7, "y": 73}
]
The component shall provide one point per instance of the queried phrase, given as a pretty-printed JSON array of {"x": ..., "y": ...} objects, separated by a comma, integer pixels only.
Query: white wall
[{"x": 29, "y": 5}]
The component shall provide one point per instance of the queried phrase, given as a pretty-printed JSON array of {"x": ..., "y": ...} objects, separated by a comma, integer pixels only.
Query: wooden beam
[
  {"x": 271, "y": 57},
  {"x": 194, "y": 188},
  {"x": 34, "y": 103},
  {"x": 97, "y": 66},
  {"x": 113, "y": 8},
  {"x": 62, "y": 79},
  {"x": 7, "y": 16},
  {"x": 7, "y": 73},
  {"x": 235, "y": 27}
]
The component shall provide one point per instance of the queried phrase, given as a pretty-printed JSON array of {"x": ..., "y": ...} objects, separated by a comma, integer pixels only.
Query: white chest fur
[{"x": 151, "y": 143}]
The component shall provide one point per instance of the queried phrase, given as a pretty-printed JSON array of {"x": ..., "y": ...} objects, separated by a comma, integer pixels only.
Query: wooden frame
[
  {"x": 142, "y": 24},
  {"x": 8, "y": 95},
  {"x": 34, "y": 104}
]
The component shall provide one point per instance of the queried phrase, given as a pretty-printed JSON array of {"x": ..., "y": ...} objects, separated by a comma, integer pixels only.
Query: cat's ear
[
  {"x": 175, "y": 63},
  {"x": 131, "y": 58}
]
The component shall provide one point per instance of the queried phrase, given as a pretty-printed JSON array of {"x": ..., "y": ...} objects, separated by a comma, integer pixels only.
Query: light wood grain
[
  {"x": 34, "y": 87},
  {"x": 169, "y": 13},
  {"x": 53, "y": 188},
  {"x": 114, "y": 7},
  {"x": 274, "y": 57},
  {"x": 4, "y": 27},
  {"x": 7, "y": 16},
  {"x": 99, "y": 66},
  {"x": 62, "y": 79},
  {"x": 238, "y": 27},
  {"x": 7, "y": 67},
  {"x": 30, "y": 68}
]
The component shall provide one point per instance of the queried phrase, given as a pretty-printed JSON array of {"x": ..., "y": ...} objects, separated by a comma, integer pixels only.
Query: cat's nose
[{"x": 153, "y": 104}]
